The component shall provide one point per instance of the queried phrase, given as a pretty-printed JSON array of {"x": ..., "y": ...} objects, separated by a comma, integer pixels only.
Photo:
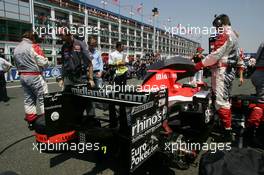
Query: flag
[
  {"x": 139, "y": 8},
  {"x": 116, "y": 2},
  {"x": 155, "y": 11}
]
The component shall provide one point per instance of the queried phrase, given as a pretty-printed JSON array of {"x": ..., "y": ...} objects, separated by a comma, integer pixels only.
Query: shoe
[
  {"x": 255, "y": 117},
  {"x": 260, "y": 136},
  {"x": 6, "y": 99},
  {"x": 31, "y": 126},
  {"x": 252, "y": 139}
]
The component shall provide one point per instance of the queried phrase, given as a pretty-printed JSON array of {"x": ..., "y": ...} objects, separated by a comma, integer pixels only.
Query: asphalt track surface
[{"x": 18, "y": 157}]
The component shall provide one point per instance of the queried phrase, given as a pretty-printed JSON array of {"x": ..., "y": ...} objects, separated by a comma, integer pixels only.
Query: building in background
[{"x": 17, "y": 16}]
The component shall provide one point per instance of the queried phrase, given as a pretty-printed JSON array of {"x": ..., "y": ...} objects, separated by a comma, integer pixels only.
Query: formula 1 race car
[
  {"x": 133, "y": 128},
  {"x": 184, "y": 98},
  {"x": 191, "y": 110}
]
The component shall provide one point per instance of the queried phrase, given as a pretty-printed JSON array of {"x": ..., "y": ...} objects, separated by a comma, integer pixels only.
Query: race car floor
[{"x": 18, "y": 157}]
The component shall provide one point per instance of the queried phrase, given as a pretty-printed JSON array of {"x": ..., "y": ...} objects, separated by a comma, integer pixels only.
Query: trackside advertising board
[{"x": 50, "y": 72}]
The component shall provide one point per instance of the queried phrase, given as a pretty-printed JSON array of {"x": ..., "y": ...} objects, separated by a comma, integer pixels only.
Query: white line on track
[{"x": 19, "y": 86}]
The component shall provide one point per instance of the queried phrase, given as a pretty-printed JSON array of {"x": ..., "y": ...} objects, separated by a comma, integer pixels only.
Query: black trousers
[
  {"x": 3, "y": 92},
  {"x": 121, "y": 80}
]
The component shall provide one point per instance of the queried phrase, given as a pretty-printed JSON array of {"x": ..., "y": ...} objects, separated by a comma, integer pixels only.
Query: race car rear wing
[{"x": 139, "y": 129}]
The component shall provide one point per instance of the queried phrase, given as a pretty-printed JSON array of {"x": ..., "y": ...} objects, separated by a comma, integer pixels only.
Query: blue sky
[{"x": 246, "y": 16}]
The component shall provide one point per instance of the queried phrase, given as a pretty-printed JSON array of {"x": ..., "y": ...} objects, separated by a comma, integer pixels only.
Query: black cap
[{"x": 221, "y": 20}]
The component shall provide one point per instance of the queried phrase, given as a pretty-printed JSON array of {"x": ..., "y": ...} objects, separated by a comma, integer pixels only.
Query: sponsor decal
[
  {"x": 146, "y": 123},
  {"x": 84, "y": 91},
  {"x": 163, "y": 76},
  {"x": 55, "y": 72},
  {"x": 143, "y": 152},
  {"x": 147, "y": 132},
  {"x": 53, "y": 107},
  {"x": 141, "y": 108}
]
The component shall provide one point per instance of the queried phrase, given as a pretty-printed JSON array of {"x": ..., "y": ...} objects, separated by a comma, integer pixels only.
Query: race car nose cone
[{"x": 55, "y": 116}]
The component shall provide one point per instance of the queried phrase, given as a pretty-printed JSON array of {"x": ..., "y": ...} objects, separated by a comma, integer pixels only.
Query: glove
[
  {"x": 252, "y": 62},
  {"x": 198, "y": 66}
]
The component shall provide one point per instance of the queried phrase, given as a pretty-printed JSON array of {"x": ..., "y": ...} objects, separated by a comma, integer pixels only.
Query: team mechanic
[
  {"x": 75, "y": 61},
  {"x": 257, "y": 115},
  {"x": 77, "y": 65},
  {"x": 30, "y": 61},
  {"x": 223, "y": 61}
]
